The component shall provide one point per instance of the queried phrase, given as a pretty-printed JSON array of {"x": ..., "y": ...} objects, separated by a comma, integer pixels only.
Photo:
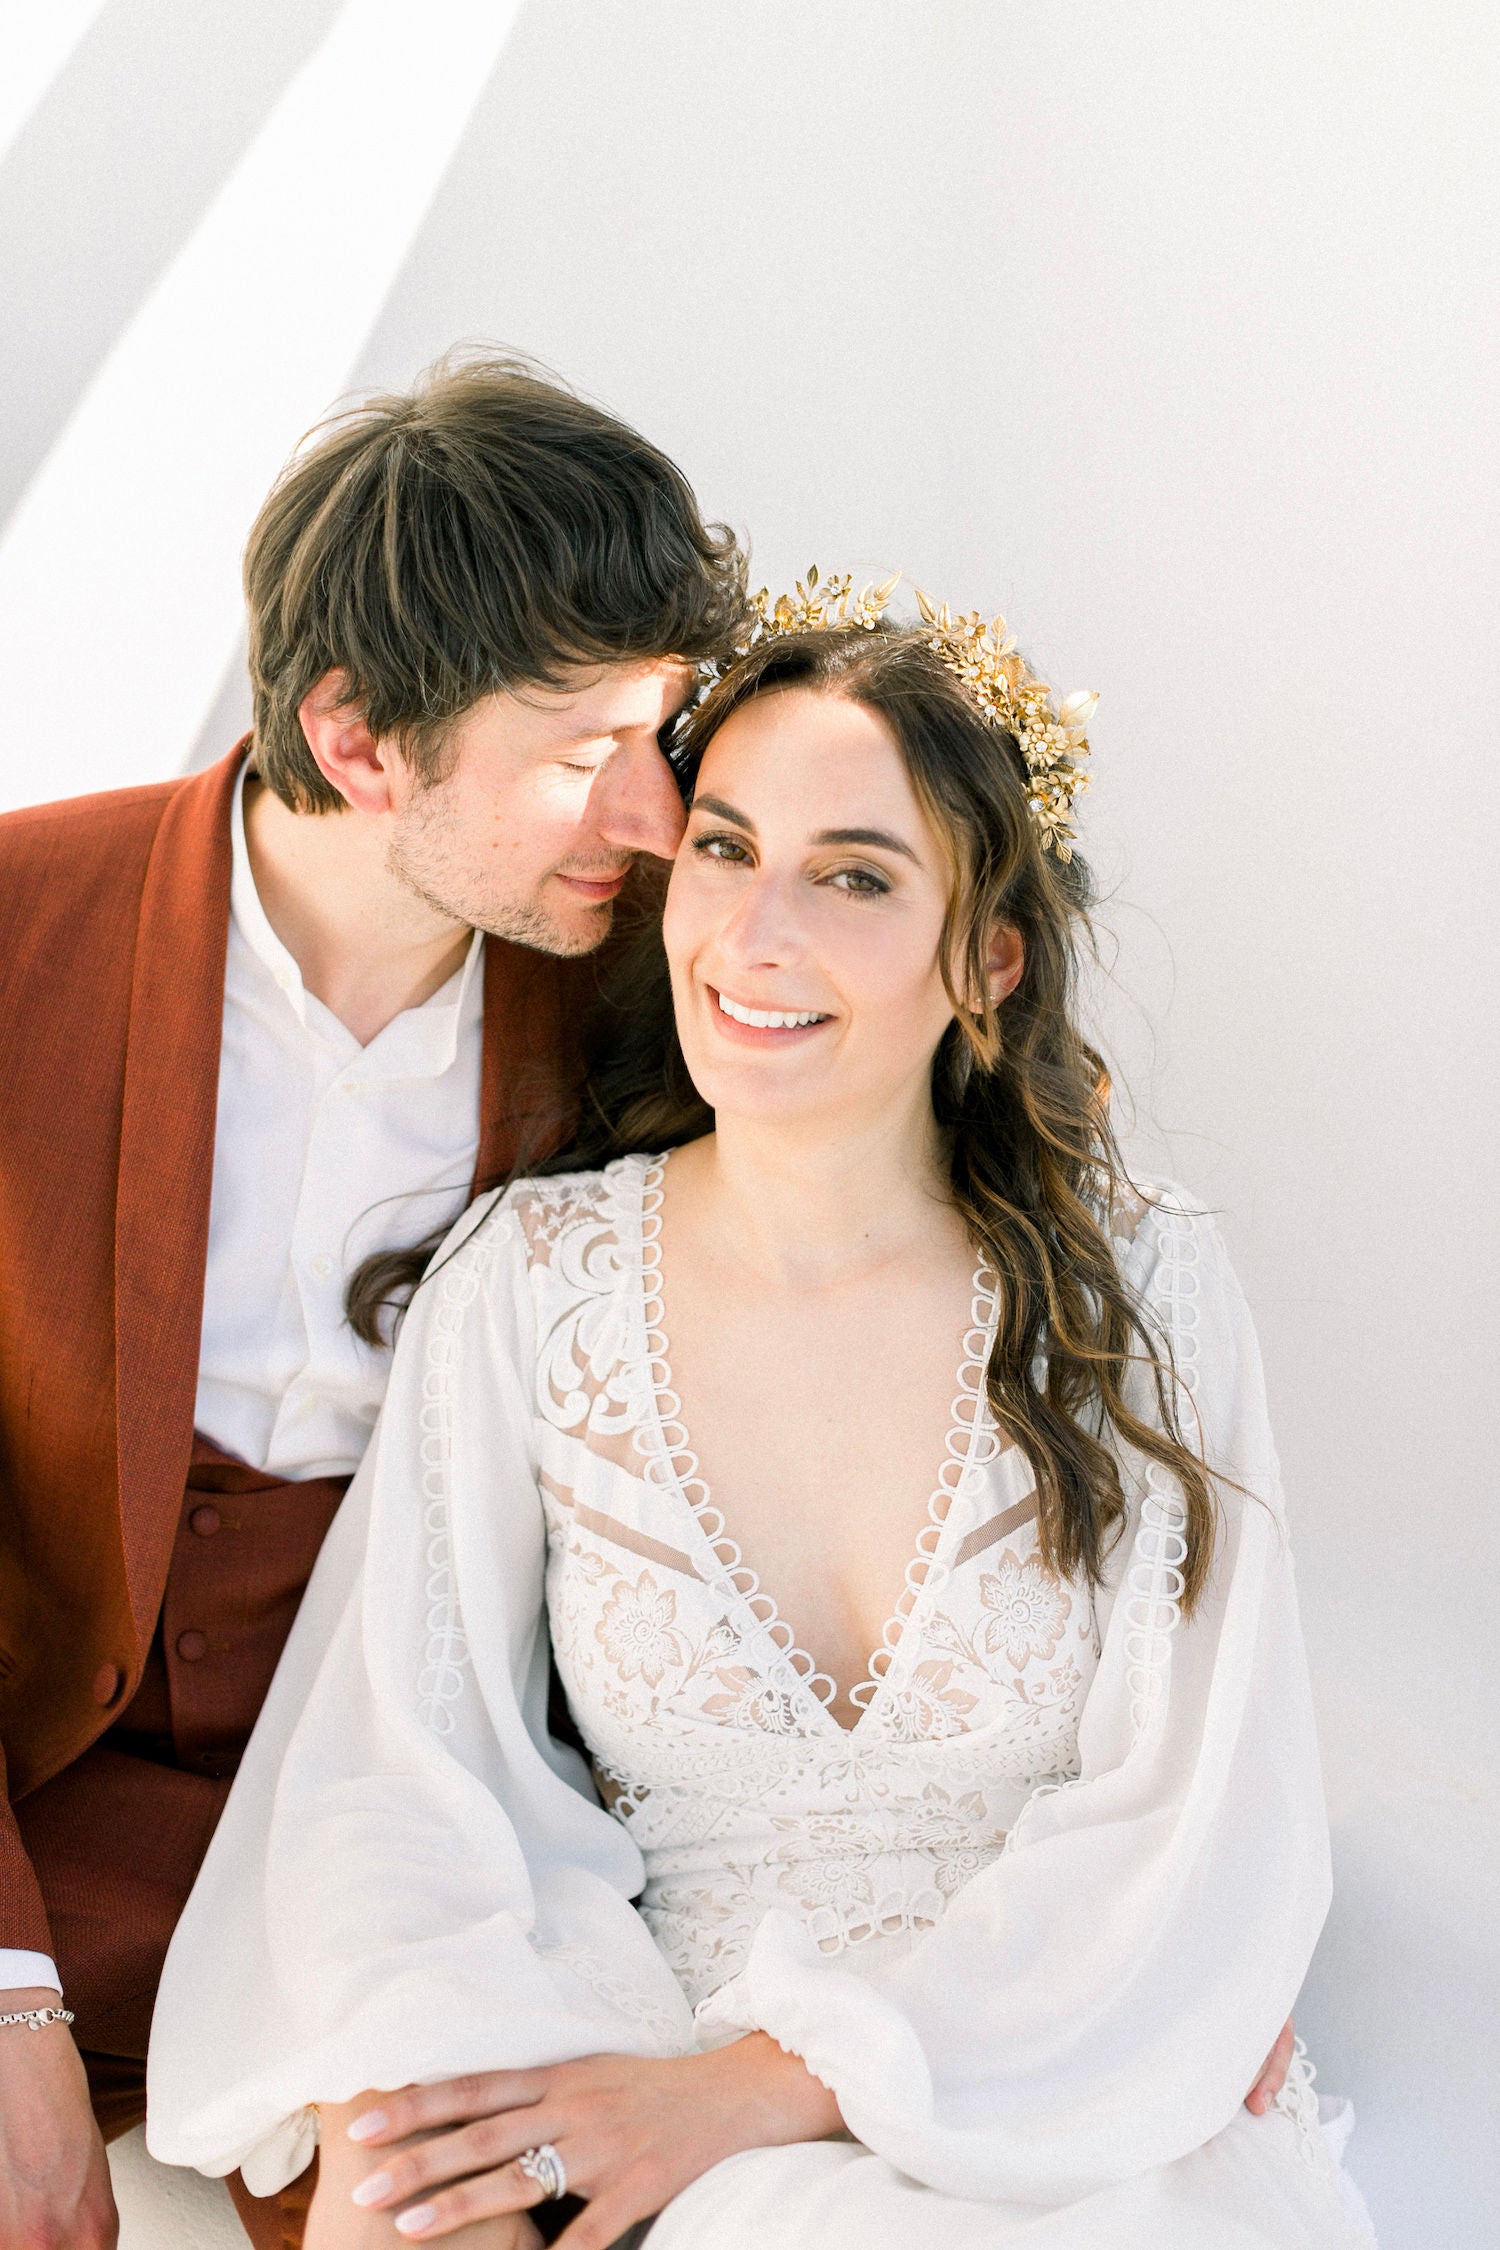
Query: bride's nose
[{"x": 763, "y": 928}]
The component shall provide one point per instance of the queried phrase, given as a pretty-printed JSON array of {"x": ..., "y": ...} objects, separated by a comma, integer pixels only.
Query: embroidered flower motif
[
  {"x": 1029, "y": 1609},
  {"x": 930, "y": 1706},
  {"x": 635, "y": 1630},
  {"x": 746, "y": 1700},
  {"x": 821, "y": 1885}
]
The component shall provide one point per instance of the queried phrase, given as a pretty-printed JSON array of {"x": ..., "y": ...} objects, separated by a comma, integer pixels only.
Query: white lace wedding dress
[{"x": 1036, "y": 1917}]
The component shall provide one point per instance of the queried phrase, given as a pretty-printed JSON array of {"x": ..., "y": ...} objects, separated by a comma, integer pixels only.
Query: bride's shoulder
[
  {"x": 552, "y": 1208},
  {"x": 1156, "y": 1225}
]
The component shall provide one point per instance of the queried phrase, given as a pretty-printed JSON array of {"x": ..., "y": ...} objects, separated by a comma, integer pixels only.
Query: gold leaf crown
[{"x": 985, "y": 661}]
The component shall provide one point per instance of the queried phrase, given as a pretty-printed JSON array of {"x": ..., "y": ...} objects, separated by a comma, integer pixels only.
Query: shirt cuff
[{"x": 18, "y": 1970}]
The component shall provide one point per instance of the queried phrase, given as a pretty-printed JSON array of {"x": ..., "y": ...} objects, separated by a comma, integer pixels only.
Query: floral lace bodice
[{"x": 710, "y": 1732}]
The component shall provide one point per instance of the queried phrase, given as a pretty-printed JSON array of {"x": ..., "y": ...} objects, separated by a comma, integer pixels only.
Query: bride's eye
[
  {"x": 726, "y": 848},
  {"x": 860, "y": 882}
]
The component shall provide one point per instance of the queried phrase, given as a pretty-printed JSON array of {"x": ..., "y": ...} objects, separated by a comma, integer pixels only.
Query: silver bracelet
[{"x": 36, "y": 2019}]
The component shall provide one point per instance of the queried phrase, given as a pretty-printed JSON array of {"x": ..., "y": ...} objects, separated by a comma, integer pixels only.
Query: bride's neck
[{"x": 814, "y": 1208}]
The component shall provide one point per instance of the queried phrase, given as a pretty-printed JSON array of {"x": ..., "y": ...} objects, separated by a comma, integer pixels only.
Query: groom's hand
[
  {"x": 1272, "y": 2072},
  {"x": 631, "y": 2134},
  {"x": 54, "y": 2178},
  {"x": 337, "y": 2222}
]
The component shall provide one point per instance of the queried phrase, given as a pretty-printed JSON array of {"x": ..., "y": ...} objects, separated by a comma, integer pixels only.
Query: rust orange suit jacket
[{"x": 114, "y": 917}]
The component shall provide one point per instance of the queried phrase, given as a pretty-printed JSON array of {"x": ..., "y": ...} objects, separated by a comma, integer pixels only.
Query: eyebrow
[
  {"x": 722, "y": 810},
  {"x": 880, "y": 839}
]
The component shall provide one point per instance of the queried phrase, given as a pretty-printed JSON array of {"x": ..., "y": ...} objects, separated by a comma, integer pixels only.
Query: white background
[{"x": 1172, "y": 332}]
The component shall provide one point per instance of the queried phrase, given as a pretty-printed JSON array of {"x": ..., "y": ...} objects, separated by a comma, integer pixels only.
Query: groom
[{"x": 254, "y": 1026}]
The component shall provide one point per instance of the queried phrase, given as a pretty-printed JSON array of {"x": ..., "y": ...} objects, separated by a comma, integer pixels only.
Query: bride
[{"x": 895, "y": 1480}]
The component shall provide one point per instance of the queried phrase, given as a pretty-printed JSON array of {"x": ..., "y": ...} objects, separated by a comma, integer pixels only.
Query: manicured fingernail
[
  {"x": 417, "y": 2221},
  {"x": 373, "y": 2190},
  {"x": 366, "y": 2127}
]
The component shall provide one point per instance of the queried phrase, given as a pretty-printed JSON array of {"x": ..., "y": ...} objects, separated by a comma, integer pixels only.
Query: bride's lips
[
  {"x": 763, "y": 1035},
  {"x": 596, "y": 890}
]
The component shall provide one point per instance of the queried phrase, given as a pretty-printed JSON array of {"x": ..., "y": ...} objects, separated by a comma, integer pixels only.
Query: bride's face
[{"x": 805, "y": 916}]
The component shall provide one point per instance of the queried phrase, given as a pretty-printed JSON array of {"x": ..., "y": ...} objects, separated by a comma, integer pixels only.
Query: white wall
[{"x": 1172, "y": 332}]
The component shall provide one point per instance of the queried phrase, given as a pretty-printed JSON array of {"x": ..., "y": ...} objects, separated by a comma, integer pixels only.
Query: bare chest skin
[{"x": 819, "y": 1415}]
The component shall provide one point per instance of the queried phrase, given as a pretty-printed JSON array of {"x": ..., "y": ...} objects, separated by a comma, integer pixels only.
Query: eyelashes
[{"x": 732, "y": 851}]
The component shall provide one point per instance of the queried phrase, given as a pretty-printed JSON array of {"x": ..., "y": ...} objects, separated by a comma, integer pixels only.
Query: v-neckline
[{"x": 718, "y": 1558}]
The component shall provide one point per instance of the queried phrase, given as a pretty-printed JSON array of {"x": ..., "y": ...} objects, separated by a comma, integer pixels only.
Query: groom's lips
[{"x": 596, "y": 890}]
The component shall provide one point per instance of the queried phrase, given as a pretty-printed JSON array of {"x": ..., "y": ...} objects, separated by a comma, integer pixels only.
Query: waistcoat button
[
  {"x": 191, "y": 1645},
  {"x": 108, "y": 1681},
  {"x": 205, "y": 1521}
]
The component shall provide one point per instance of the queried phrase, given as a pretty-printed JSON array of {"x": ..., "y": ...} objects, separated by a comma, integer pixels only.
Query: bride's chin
[{"x": 765, "y": 1107}]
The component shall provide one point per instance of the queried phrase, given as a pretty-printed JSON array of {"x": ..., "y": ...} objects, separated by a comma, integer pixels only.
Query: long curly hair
[{"x": 1021, "y": 1096}]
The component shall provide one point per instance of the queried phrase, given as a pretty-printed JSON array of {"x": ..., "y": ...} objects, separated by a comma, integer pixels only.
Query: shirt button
[
  {"x": 108, "y": 1681},
  {"x": 191, "y": 1645},
  {"x": 205, "y": 1521},
  {"x": 322, "y": 1265}
]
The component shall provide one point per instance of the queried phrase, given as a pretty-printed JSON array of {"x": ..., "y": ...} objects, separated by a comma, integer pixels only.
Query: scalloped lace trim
[
  {"x": 1154, "y": 1582},
  {"x": 661, "y": 1437},
  {"x": 1298, "y": 2101}
]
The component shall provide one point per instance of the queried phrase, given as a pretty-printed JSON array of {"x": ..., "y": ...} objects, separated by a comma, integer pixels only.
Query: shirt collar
[{"x": 421, "y": 1042}]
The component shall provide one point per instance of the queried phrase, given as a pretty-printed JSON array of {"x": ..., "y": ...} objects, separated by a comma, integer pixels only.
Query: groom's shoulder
[{"x": 79, "y": 843}]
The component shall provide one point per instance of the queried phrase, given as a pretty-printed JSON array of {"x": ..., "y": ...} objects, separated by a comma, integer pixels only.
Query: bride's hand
[{"x": 631, "y": 2133}]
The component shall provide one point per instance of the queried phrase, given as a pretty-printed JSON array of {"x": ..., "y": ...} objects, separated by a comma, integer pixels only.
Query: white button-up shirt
[{"x": 324, "y": 1150}]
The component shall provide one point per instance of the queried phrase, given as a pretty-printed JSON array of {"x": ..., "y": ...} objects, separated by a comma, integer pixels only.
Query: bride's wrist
[{"x": 801, "y": 2107}]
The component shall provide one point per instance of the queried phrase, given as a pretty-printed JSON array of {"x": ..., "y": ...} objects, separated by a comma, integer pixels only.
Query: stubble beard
[{"x": 422, "y": 857}]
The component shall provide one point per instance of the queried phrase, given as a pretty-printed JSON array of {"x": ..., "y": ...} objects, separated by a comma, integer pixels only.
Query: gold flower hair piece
[
  {"x": 818, "y": 603},
  {"x": 985, "y": 661}
]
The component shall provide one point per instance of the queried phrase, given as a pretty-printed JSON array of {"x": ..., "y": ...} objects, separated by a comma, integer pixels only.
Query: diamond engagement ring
[{"x": 546, "y": 2167}]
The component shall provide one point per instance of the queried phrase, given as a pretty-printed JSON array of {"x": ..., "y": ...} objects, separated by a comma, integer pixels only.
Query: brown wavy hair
[
  {"x": 484, "y": 531},
  {"x": 1021, "y": 1096}
]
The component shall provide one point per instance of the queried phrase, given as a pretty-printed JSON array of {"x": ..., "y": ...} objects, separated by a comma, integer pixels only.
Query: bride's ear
[{"x": 1005, "y": 963}]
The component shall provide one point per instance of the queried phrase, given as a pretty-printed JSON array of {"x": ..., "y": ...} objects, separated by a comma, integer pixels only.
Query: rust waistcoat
[{"x": 245, "y": 1547}]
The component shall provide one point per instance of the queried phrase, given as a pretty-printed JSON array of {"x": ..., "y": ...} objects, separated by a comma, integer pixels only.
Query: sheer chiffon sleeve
[
  {"x": 410, "y": 1880},
  {"x": 1097, "y": 2001}
]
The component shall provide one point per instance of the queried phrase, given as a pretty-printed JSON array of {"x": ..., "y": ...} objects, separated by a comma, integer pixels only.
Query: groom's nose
[{"x": 638, "y": 805}]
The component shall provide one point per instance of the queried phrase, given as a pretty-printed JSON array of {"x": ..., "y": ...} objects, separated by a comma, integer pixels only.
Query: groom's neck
[{"x": 367, "y": 945}]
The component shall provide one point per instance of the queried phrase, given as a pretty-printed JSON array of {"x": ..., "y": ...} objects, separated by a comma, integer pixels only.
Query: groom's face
[{"x": 547, "y": 798}]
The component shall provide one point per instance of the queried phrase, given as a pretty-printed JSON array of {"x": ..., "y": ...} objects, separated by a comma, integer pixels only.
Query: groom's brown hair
[{"x": 484, "y": 531}]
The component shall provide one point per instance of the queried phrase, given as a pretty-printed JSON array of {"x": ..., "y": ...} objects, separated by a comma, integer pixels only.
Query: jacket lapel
[
  {"x": 166, "y": 1168},
  {"x": 535, "y": 1006}
]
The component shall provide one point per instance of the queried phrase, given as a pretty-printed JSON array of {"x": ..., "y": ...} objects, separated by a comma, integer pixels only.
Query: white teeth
[{"x": 768, "y": 1019}]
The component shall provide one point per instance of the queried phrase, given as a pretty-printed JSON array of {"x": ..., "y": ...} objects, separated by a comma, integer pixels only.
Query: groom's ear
[{"x": 347, "y": 755}]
